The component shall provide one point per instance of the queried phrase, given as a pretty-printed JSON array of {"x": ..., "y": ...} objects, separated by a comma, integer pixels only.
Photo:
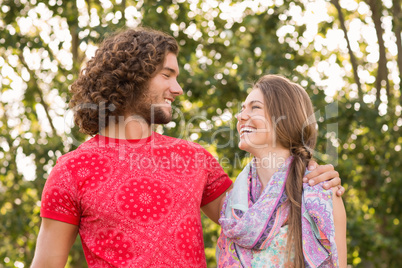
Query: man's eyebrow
[{"x": 173, "y": 71}]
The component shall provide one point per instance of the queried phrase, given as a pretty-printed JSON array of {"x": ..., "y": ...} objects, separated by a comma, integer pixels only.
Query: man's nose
[{"x": 176, "y": 88}]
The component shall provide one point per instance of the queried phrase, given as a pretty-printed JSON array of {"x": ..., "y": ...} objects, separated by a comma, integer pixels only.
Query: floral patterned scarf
[{"x": 250, "y": 220}]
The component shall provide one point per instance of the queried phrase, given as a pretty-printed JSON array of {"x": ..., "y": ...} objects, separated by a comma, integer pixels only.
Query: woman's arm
[
  {"x": 339, "y": 215},
  {"x": 213, "y": 209}
]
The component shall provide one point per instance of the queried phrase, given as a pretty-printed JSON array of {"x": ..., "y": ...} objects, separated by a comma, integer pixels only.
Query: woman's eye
[{"x": 255, "y": 107}]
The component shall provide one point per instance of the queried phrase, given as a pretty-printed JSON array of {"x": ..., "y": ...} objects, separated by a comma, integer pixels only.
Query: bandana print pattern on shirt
[{"x": 137, "y": 203}]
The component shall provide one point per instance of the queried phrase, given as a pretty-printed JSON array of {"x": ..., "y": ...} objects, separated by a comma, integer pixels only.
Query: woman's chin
[{"x": 244, "y": 146}]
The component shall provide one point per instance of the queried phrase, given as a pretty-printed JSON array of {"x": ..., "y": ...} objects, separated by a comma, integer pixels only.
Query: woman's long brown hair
[{"x": 289, "y": 106}]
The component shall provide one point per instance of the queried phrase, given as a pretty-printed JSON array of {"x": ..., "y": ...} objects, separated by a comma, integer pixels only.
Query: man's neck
[{"x": 128, "y": 128}]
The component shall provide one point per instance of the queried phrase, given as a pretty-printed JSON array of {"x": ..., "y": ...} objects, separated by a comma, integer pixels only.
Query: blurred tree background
[{"x": 346, "y": 53}]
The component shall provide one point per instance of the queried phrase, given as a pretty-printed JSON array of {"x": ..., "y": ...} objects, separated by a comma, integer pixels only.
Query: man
[{"x": 133, "y": 195}]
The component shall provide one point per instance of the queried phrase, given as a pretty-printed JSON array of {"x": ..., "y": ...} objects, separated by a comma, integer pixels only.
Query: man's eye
[{"x": 166, "y": 75}]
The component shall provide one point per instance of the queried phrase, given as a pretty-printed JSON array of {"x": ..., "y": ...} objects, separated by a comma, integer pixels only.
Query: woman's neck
[{"x": 267, "y": 163}]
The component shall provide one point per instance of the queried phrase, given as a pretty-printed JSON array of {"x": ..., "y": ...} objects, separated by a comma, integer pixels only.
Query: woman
[{"x": 270, "y": 218}]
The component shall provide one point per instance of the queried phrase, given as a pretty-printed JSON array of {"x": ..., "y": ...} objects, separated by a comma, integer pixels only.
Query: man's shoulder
[
  {"x": 172, "y": 141},
  {"x": 85, "y": 147}
]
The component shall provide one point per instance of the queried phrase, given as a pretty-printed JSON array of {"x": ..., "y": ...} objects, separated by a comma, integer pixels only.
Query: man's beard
[{"x": 153, "y": 113}]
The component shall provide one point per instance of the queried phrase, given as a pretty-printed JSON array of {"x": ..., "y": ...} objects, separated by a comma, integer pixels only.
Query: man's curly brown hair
[{"x": 117, "y": 76}]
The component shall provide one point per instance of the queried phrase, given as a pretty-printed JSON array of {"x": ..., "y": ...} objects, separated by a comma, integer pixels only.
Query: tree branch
[
  {"x": 72, "y": 22},
  {"x": 351, "y": 55},
  {"x": 396, "y": 10},
  {"x": 39, "y": 92},
  {"x": 123, "y": 7},
  {"x": 382, "y": 72}
]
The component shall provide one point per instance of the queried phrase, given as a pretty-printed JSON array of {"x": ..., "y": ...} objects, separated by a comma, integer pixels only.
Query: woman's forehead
[{"x": 253, "y": 96}]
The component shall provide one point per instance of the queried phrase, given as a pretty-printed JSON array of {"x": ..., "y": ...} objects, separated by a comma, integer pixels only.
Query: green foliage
[{"x": 43, "y": 45}]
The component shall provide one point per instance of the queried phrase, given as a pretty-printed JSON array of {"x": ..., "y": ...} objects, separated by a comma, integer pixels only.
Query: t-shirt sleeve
[
  {"x": 59, "y": 197},
  {"x": 217, "y": 180}
]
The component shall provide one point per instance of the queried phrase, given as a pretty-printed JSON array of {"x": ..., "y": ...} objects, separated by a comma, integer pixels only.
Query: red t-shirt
[{"x": 136, "y": 202}]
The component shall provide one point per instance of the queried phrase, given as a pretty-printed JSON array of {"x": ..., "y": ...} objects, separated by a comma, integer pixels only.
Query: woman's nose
[{"x": 242, "y": 115}]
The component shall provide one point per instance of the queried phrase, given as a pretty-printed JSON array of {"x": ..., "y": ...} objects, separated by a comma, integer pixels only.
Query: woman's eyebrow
[
  {"x": 254, "y": 101},
  {"x": 251, "y": 102}
]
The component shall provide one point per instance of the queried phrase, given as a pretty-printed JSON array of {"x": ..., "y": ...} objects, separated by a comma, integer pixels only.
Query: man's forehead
[{"x": 171, "y": 64}]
